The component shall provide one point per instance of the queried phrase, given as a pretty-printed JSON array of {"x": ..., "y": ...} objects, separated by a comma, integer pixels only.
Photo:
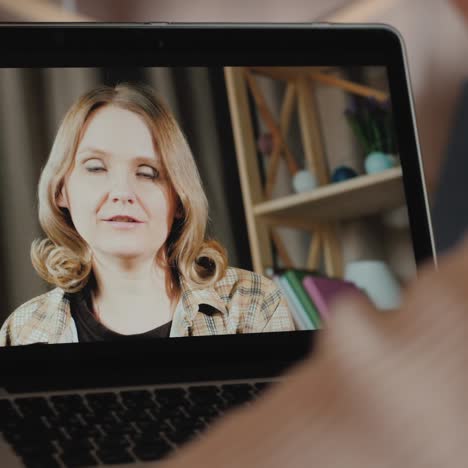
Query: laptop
[{"x": 181, "y": 204}]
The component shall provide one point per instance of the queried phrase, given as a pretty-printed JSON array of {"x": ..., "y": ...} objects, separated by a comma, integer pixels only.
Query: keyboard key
[
  {"x": 103, "y": 397},
  {"x": 36, "y": 406},
  {"x": 78, "y": 459},
  {"x": 103, "y": 410},
  {"x": 186, "y": 422},
  {"x": 10, "y": 423},
  {"x": 118, "y": 429},
  {"x": 61, "y": 418},
  {"x": 207, "y": 411},
  {"x": 153, "y": 451},
  {"x": 114, "y": 455},
  {"x": 45, "y": 461},
  {"x": 140, "y": 405},
  {"x": 237, "y": 388},
  {"x": 179, "y": 436},
  {"x": 76, "y": 445},
  {"x": 235, "y": 394},
  {"x": 150, "y": 427},
  {"x": 204, "y": 395},
  {"x": 103, "y": 402},
  {"x": 147, "y": 438},
  {"x": 71, "y": 400},
  {"x": 175, "y": 412},
  {"x": 82, "y": 431},
  {"x": 34, "y": 447},
  {"x": 237, "y": 397},
  {"x": 34, "y": 432},
  {"x": 230, "y": 403},
  {"x": 7, "y": 409},
  {"x": 69, "y": 404},
  {"x": 109, "y": 441},
  {"x": 260, "y": 386},
  {"x": 206, "y": 400},
  {"x": 92, "y": 419},
  {"x": 174, "y": 392},
  {"x": 134, "y": 415},
  {"x": 136, "y": 396},
  {"x": 23, "y": 431},
  {"x": 204, "y": 389},
  {"x": 167, "y": 397}
]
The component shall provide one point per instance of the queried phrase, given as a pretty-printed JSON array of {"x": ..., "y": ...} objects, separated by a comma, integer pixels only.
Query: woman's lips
[{"x": 124, "y": 224}]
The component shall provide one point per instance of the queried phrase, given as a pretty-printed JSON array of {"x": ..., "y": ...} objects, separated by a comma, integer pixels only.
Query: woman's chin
[
  {"x": 127, "y": 254},
  {"x": 127, "y": 250}
]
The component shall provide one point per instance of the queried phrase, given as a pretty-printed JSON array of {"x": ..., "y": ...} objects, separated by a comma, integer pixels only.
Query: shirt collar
[{"x": 204, "y": 300}]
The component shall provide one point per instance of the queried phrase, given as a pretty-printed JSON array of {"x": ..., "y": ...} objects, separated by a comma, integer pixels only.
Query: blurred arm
[
  {"x": 383, "y": 389},
  {"x": 462, "y": 6}
]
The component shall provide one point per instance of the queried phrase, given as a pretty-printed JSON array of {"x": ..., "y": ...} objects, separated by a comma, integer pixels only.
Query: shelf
[
  {"x": 354, "y": 198},
  {"x": 320, "y": 76}
]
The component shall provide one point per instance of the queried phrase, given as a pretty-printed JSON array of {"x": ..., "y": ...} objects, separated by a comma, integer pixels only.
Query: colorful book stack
[{"x": 309, "y": 296}]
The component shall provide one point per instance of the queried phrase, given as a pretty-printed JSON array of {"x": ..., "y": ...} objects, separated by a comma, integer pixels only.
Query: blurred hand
[
  {"x": 462, "y": 6},
  {"x": 386, "y": 389}
]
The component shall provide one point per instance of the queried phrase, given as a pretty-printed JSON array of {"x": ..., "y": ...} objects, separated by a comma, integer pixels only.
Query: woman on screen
[{"x": 125, "y": 215}]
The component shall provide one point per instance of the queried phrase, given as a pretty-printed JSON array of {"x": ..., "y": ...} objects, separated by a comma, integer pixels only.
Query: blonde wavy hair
[{"x": 64, "y": 258}]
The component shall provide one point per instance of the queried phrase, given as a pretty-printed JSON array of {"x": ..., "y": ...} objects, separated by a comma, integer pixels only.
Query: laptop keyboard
[{"x": 89, "y": 429}]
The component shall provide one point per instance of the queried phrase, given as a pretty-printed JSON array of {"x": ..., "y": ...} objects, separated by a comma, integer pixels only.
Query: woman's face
[{"x": 116, "y": 175}]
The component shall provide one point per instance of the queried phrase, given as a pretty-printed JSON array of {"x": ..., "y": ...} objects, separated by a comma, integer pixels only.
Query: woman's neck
[{"x": 131, "y": 298}]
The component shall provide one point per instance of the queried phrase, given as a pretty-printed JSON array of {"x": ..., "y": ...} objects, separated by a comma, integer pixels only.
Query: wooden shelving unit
[
  {"x": 362, "y": 196},
  {"x": 320, "y": 210}
]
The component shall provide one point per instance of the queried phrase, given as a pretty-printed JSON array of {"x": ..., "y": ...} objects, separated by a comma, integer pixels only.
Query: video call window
[{"x": 168, "y": 202}]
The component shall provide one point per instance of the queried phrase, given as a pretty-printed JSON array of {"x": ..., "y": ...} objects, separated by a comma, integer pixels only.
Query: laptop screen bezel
[{"x": 143, "y": 45}]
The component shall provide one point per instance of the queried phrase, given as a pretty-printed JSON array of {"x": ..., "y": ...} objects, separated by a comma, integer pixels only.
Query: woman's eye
[
  {"x": 149, "y": 175},
  {"x": 154, "y": 174},
  {"x": 95, "y": 169}
]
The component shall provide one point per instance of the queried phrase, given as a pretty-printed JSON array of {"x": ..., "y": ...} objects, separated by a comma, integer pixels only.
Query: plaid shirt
[{"x": 241, "y": 302}]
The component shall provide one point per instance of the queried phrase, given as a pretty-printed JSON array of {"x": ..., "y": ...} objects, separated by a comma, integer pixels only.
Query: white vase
[
  {"x": 377, "y": 281},
  {"x": 396, "y": 218}
]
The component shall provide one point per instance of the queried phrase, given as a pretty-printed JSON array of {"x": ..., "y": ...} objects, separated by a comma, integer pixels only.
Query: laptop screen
[{"x": 159, "y": 202}]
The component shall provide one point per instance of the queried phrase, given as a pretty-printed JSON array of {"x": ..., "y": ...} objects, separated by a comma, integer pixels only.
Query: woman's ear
[
  {"x": 180, "y": 212},
  {"x": 62, "y": 200}
]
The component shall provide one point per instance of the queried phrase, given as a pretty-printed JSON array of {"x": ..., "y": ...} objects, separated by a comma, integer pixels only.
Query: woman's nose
[
  {"x": 124, "y": 196},
  {"x": 122, "y": 191}
]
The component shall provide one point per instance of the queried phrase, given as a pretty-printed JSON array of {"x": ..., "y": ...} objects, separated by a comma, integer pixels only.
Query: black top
[{"x": 90, "y": 329}]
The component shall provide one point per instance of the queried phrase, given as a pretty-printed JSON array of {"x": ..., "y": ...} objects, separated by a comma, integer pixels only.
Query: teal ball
[
  {"x": 304, "y": 181},
  {"x": 342, "y": 173},
  {"x": 377, "y": 162}
]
